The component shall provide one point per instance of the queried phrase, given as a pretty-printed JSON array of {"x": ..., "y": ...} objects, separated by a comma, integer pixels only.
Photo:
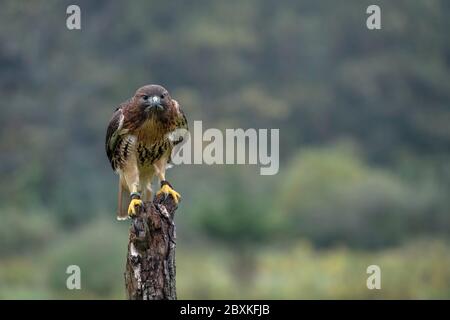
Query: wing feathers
[{"x": 113, "y": 135}]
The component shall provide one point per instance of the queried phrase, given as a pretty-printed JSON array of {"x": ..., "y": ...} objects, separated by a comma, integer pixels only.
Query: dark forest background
[{"x": 364, "y": 145}]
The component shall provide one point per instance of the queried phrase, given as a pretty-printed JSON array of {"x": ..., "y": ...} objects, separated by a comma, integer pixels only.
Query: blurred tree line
[{"x": 363, "y": 116}]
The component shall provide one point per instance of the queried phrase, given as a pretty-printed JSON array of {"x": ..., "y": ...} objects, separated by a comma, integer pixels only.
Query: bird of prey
[{"x": 139, "y": 141}]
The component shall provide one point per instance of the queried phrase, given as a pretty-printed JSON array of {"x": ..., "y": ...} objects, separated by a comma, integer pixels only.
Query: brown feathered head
[{"x": 153, "y": 98}]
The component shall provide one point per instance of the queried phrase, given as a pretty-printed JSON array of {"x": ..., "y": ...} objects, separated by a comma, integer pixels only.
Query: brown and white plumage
[{"x": 139, "y": 142}]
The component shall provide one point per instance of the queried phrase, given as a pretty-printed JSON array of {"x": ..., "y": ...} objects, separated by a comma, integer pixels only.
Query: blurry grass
[
  {"x": 22, "y": 278},
  {"x": 419, "y": 270},
  {"x": 99, "y": 250},
  {"x": 22, "y": 230}
]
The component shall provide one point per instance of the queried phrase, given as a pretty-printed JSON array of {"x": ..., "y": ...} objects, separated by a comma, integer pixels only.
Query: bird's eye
[
  {"x": 161, "y": 96},
  {"x": 145, "y": 97}
]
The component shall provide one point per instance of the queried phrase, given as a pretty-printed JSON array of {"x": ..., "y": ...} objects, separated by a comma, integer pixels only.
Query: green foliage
[
  {"x": 23, "y": 232},
  {"x": 99, "y": 250},
  {"x": 310, "y": 68},
  {"x": 22, "y": 278},
  {"x": 239, "y": 216},
  {"x": 330, "y": 196},
  {"x": 419, "y": 270}
]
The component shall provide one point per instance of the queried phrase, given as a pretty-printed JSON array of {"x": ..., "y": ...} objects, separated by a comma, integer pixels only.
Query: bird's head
[{"x": 153, "y": 99}]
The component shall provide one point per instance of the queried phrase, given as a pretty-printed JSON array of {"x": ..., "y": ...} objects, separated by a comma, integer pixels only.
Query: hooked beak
[{"x": 155, "y": 102}]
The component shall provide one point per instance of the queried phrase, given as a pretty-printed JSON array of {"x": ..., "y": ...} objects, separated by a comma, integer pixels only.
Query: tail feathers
[{"x": 122, "y": 206}]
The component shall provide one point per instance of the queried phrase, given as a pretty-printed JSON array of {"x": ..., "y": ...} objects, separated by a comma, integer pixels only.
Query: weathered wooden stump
[{"x": 150, "y": 268}]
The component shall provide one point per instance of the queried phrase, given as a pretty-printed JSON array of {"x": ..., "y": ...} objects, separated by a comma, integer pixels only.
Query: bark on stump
[{"x": 150, "y": 267}]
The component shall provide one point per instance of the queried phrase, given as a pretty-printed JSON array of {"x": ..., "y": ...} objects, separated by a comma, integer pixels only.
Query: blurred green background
[{"x": 364, "y": 141}]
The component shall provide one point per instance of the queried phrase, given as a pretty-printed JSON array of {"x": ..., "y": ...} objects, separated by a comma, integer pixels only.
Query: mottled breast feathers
[{"x": 148, "y": 137}]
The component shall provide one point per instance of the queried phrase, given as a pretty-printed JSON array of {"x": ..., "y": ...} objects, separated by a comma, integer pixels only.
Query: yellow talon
[
  {"x": 166, "y": 190},
  {"x": 132, "y": 206}
]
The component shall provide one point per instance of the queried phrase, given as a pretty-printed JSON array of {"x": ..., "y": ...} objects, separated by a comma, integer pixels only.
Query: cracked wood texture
[{"x": 150, "y": 267}]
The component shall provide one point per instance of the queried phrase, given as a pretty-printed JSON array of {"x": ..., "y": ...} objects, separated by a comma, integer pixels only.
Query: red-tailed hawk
[{"x": 139, "y": 141}]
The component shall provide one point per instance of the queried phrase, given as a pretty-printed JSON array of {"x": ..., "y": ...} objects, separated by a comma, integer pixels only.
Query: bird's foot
[
  {"x": 134, "y": 203},
  {"x": 166, "y": 190}
]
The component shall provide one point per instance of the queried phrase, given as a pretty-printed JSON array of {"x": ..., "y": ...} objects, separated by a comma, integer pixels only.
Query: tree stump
[{"x": 150, "y": 267}]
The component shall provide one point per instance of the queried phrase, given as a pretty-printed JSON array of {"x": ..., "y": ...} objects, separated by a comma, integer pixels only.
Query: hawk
[{"x": 140, "y": 138}]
